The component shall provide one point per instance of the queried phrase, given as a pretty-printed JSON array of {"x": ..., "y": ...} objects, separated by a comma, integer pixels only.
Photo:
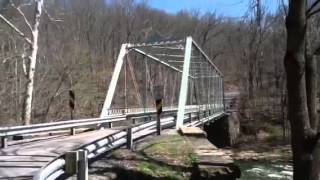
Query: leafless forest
[{"x": 79, "y": 42}]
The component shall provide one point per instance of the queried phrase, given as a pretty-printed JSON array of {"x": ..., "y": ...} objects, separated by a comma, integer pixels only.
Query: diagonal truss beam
[
  {"x": 207, "y": 58},
  {"x": 184, "y": 83},
  {"x": 114, "y": 80}
]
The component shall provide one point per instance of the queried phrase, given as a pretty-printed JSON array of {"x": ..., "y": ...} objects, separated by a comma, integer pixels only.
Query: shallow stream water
[{"x": 265, "y": 170}]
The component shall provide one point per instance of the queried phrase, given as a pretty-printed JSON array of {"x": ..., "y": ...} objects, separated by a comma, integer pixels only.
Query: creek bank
[{"x": 169, "y": 156}]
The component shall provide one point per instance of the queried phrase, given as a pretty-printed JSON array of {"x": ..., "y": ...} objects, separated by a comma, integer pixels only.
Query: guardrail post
[
  {"x": 129, "y": 138},
  {"x": 190, "y": 117},
  {"x": 133, "y": 121},
  {"x": 83, "y": 166},
  {"x": 109, "y": 125},
  {"x": 4, "y": 142},
  {"x": 72, "y": 131},
  {"x": 71, "y": 159},
  {"x": 158, "y": 125}
]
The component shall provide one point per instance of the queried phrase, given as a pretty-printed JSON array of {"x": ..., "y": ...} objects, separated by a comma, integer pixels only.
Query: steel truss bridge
[{"x": 190, "y": 85}]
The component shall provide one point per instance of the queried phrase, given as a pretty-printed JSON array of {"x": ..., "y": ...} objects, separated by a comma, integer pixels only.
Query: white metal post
[
  {"x": 184, "y": 83},
  {"x": 221, "y": 94},
  {"x": 114, "y": 80}
]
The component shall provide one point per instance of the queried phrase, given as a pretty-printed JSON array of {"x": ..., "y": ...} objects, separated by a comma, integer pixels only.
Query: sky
[{"x": 230, "y": 8}]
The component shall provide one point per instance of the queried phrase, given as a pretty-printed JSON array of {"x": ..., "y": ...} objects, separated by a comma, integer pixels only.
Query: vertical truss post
[
  {"x": 220, "y": 93},
  {"x": 209, "y": 92},
  {"x": 146, "y": 85},
  {"x": 184, "y": 83},
  {"x": 114, "y": 80},
  {"x": 223, "y": 98},
  {"x": 208, "y": 88},
  {"x": 216, "y": 92}
]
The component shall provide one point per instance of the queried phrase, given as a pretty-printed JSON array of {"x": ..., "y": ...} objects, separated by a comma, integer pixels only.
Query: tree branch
[
  {"x": 6, "y": 59},
  {"x": 314, "y": 4},
  {"x": 16, "y": 29},
  {"x": 284, "y": 8},
  {"x": 22, "y": 14},
  {"x": 313, "y": 13},
  {"x": 50, "y": 17}
]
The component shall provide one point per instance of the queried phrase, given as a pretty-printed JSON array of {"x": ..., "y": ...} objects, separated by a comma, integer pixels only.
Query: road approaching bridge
[
  {"x": 24, "y": 160},
  {"x": 198, "y": 100}
]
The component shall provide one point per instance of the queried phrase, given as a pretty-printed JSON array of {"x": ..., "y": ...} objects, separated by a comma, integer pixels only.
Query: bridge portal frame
[{"x": 184, "y": 85}]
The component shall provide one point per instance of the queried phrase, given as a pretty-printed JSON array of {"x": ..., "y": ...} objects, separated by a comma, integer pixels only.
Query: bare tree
[
  {"x": 301, "y": 75},
  {"x": 30, "y": 64}
]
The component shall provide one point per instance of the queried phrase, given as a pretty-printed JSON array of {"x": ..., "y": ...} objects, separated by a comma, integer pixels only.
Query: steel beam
[
  {"x": 172, "y": 55},
  {"x": 158, "y": 60},
  {"x": 207, "y": 57},
  {"x": 184, "y": 83},
  {"x": 198, "y": 77},
  {"x": 114, "y": 80},
  {"x": 162, "y": 43}
]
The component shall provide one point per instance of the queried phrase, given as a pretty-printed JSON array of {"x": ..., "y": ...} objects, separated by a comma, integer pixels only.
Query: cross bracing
[{"x": 184, "y": 72}]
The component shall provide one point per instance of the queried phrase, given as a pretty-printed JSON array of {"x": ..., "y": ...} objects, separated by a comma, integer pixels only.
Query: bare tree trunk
[
  {"x": 27, "y": 104},
  {"x": 311, "y": 80},
  {"x": 303, "y": 138},
  {"x": 311, "y": 86}
]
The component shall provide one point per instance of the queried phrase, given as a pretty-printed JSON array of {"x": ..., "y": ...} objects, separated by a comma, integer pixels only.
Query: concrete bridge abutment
[{"x": 223, "y": 132}]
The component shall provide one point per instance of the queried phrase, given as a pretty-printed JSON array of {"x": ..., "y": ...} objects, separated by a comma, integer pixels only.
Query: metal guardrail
[
  {"x": 72, "y": 124},
  {"x": 55, "y": 168},
  {"x": 6, "y": 132},
  {"x": 127, "y": 111}
]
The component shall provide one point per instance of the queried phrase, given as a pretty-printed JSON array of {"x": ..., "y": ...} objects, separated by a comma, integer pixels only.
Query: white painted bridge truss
[{"x": 186, "y": 74}]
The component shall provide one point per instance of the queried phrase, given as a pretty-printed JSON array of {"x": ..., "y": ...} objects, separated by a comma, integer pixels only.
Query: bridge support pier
[{"x": 224, "y": 131}]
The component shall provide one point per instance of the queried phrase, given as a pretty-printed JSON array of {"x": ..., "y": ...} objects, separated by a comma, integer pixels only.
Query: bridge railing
[
  {"x": 56, "y": 168},
  {"x": 123, "y": 111},
  {"x": 6, "y": 132}
]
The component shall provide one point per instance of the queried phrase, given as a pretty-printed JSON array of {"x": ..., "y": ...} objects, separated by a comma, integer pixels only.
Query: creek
[{"x": 265, "y": 170}]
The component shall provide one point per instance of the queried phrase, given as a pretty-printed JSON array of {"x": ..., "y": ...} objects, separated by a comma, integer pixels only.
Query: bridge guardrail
[
  {"x": 122, "y": 111},
  {"x": 55, "y": 168},
  {"x": 6, "y": 132}
]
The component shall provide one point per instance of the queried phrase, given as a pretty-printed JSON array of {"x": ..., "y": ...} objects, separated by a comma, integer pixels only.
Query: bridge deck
[{"x": 22, "y": 161}]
